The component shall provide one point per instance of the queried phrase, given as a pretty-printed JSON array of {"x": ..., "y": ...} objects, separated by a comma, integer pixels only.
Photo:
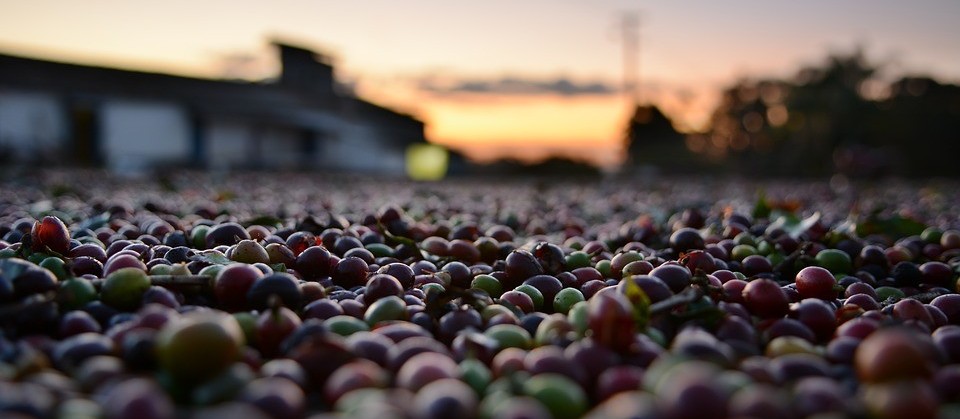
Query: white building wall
[
  {"x": 360, "y": 147},
  {"x": 139, "y": 134},
  {"x": 234, "y": 144},
  {"x": 228, "y": 144},
  {"x": 32, "y": 122},
  {"x": 280, "y": 148}
]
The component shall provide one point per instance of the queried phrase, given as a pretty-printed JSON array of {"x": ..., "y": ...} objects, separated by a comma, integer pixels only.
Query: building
[{"x": 131, "y": 120}]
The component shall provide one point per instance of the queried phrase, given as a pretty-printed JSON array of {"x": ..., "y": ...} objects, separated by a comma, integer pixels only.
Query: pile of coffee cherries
[{"x": 290, "y": 296}]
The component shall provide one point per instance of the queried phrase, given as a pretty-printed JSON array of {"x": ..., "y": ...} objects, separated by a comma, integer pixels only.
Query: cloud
[{"x": 516, "y": 86}]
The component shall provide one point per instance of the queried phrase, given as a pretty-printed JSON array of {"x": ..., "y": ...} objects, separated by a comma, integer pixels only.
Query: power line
[{"x": 630, "y": 34}]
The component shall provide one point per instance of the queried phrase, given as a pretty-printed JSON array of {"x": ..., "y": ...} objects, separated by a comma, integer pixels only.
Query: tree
[
  {"x": 792, "y": 127},
  {"x": 919, "y": 124},
  {"x": 817, "y": 123},
  {"x": 651, "y": 140},
  {"x": 830, "y": 111}
]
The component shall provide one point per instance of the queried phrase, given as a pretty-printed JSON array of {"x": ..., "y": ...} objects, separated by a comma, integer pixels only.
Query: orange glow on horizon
[
  {"x": 530, "y": 128},
  {"x": 528, "y": 121},
  {"x": 688, "y": 53}
]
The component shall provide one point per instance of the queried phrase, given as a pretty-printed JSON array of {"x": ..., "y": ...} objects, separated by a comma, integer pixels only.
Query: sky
[{"x": 522, "y": 78}]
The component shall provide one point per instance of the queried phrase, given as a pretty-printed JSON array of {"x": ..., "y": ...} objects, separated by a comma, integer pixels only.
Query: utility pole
[{"x": 630, "y": 32}]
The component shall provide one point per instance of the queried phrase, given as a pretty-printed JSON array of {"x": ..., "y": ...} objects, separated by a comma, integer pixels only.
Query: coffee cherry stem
[
  {"x": 180, "y": 280},
  {"x": 687, "y": 296},
  {"x": 274, "y": 303},
  {"x": 923, "y": 297}
]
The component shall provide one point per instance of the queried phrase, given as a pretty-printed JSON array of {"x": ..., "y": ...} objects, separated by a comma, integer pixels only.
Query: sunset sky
[{"x": 494, "y": 78}]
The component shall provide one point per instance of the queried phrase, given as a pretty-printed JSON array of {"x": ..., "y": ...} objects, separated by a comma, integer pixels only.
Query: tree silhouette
[
  {"x": 820, "y": 123},
  {"x": 652, "y": 141},
  {"x": 833, "y": 110},
  {"x": 919, "y": 125}
]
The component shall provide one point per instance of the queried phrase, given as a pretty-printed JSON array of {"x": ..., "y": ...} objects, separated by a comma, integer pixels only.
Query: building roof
[{"x": 253, "y": 101}]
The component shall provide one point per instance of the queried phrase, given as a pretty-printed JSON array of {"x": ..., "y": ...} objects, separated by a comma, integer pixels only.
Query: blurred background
[{"x": 862, "y": 89}]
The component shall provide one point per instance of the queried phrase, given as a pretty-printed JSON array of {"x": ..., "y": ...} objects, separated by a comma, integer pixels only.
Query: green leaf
[
  {"x": 641, "y": 303},
  {"x": 435, "y": 301},
  {"x": 847, "y": 228},
  {"x": 701, "y": 310},
  {"x": 793, "y": 225},
  {"x": 709, "y": 230},
  {"x": 761, "y": 209},
  {"x": 895, "y": 226},
  {"x": 60, "y": 190},
  {"x": 807, "y": 223},
  {"x": 212, "y": 257},
  {"x": 397, "y": 240},
  {"x": 278, "y": 267}
]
